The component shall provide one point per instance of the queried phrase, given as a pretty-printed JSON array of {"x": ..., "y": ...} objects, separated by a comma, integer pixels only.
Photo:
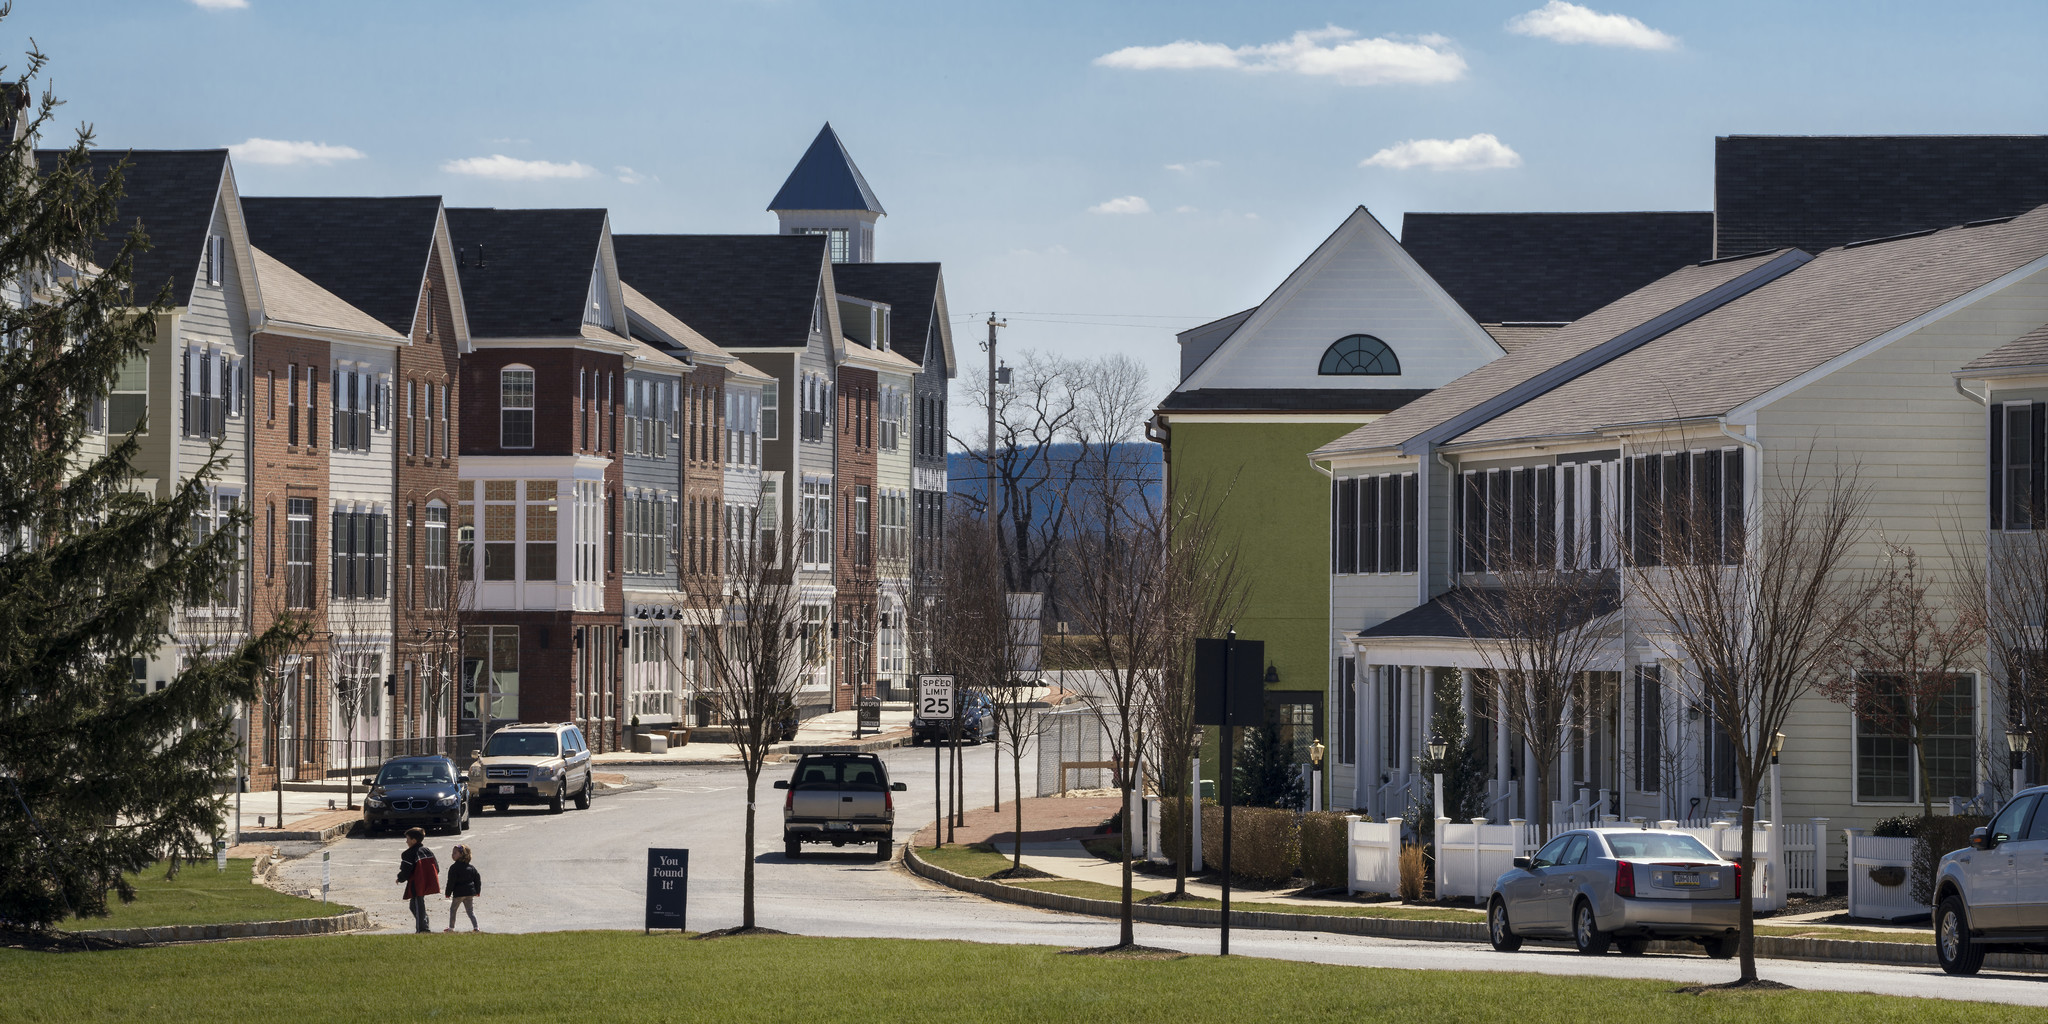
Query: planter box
[{"x": 650, "y": 743}]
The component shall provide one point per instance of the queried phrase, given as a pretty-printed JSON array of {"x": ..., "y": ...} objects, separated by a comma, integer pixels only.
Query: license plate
[
  {"x": 1691, "y": 878},
  {"x": 507, "y": 788},
  {"x": 839, "y": 826}
]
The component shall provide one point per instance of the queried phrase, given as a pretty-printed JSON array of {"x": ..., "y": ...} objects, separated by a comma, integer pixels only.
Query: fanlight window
[{"x": 1359, "y": 354}]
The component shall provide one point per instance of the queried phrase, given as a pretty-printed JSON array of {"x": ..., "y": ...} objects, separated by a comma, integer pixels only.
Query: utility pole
[{"x": 997, "y": 374}]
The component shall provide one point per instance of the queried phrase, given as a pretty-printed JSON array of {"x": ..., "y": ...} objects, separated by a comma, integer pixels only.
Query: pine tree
[
  {"x": 1268, "y": 773},
  {"x": 97, "y": 780}
]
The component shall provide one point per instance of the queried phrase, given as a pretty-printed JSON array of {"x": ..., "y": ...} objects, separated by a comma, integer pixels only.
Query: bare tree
[
  {"x": 1911, "y": 645},
  {"x": 1763, "y": 616},
  {"x": 1206, "y": 591},
  {"x": 1547, "y": 622},
  {"x": 749, "y": 661},
  {"x": 978, "y": 648},
  {"x": 1033, "y": 462}
]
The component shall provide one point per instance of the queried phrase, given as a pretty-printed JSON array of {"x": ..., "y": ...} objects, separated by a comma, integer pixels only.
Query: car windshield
[
  {"x": 416, "y": 773},
  {"x": 838, "y": 773},
  {"x": 523, "y": 744},
  {"x": 1658, "y": 846}
]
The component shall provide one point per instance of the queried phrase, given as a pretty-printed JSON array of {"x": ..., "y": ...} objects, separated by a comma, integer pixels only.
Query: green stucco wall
[{"x": 1276, "y": 505}]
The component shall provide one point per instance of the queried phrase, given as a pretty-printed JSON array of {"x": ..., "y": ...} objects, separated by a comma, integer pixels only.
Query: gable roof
[
  {"x": 739, "y": 291},
  {"x": 912, "y": 291},
  {"x": 1504, "y": 267},
  {"x": 1518, "y": 373},
  {"x": 1364, "y": 271},
  {"x": 1820, "y": 191},
  {"x": 1198, "y": 343},
  {"x": 2028, "y": 352},
  {"x": 826, "y": 179},
  {"x": 1473, "y": 613},
  {"x": 370, "y": 252},
  {"x": 1744, "y": 350},
  {"x": 1291, "y": 399},
  {"x": 291, "y": 299},
  {"x": 526, "y": 273},
  {"x": 173, "y": 193},
  {"x": 671, "y": 332}
]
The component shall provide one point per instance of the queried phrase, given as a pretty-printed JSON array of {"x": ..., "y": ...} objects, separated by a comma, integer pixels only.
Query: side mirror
[
  {"x": 1521, "y": 862},
  {"x": 1980, "y": 838},
  {"x": 897, "y": 787},
  {"x": 781, "y": 783},
  {"x": 368, "y": 781}
]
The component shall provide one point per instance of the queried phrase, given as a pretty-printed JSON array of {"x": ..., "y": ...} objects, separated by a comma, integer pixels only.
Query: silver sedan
[{"x": 1618, "y": 886}]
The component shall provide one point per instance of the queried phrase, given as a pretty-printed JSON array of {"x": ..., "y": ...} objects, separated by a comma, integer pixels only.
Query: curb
[
  {"x": 850, "y": 746},
  {"x": 351, "y": 921},
  {"x": 286, "y": 835},
  {"x": 1767, "y": 946}
]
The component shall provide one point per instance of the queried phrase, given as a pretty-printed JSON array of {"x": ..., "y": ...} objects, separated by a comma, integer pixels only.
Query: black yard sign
[{"x": 668, "y": 888}]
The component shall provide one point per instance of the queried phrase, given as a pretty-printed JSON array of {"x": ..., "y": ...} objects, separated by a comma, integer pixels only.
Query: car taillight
[
  {"x": 888, "y": 802},
  {"x": 1738, "y": 878},
  {"x": 789, "y": 802},
  {"x": 1624, "y": 878}
]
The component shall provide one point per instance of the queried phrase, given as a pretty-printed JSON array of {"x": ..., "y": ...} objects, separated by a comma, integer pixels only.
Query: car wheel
[
  {"x": 583, "y": 795},
  {"x": 1633, "y": 946},
  {"x": 1498, "y": 931},
  {"x": 462, "y": 822},
  {"x": 1958, "y": 953},
  {"x": 883, "y": 849},
  {"x": 555, "y": 802},
  {"x": 1587, "y": 937},
  {"x": 792, "y": 849},
  {"x": 1720, "y": 947}
]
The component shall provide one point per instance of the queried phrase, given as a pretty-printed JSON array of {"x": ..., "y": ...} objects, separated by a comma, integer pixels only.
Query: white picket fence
[
  {"x": 1374, "y": 854},
  {"x": 1791, "y": 858},
  {"x": 1868, "y": 858}
]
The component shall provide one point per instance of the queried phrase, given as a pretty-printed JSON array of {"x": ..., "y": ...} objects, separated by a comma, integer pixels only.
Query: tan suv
[{"x": 532, "y": 764}]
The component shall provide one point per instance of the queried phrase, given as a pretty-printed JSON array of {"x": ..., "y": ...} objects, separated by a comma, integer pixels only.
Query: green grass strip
[{"x": 201, "y": 895}]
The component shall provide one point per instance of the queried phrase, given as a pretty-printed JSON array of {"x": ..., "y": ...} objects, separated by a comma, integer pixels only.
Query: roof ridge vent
[{"x": 1901, "y": 236}]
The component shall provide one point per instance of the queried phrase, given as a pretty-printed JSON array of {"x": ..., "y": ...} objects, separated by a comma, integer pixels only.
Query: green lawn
[
  {"x": 978, "y": 861},
  {"x": 201, "y": 895},
  {"x": 1099, "y": 891},
  {"x": 603, "y": 976}
]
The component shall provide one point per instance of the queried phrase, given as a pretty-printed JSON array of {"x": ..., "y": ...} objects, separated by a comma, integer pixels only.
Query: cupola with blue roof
[{"x": 826, "y": 195}]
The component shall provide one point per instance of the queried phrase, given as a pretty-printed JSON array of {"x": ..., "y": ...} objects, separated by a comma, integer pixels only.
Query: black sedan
[
  {"x": 426, "y": 791},
  {"x": 977, "y": 723}
]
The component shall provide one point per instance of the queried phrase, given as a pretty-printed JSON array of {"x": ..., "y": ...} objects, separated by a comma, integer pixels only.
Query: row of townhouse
[
  {"x": 488, "y": 456},
  {"x": 1400, "y": 415}
]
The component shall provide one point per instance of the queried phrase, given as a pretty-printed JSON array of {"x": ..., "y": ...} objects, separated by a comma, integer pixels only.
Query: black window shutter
[
  {"x": 1410, "y": 531},
  {"x": 1369, "y": 524},
  {"x": 338, "y": 543},
  {"x": 1997, "y": 465},
  {"x": 1733, "y": 508},
  {"x": 2034, "y": 504},
  {"x": 1336, "y": 515}
]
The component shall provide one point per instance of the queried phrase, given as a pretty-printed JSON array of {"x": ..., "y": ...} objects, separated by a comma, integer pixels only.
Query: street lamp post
[
  {"x": 1437, "y": 749},
  {"x": 1315, "y": 775},
  {"x": 2016, "y": 741},
  {"x": 1777, "y": 803}
]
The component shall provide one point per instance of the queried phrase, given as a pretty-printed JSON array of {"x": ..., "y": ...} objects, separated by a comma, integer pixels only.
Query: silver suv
[
  {"x": 532, "y": 764},
  {"x": 1995, "y": 892}
]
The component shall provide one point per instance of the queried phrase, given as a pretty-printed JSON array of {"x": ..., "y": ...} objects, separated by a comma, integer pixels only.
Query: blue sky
[{"x": 1133, "y": 168}]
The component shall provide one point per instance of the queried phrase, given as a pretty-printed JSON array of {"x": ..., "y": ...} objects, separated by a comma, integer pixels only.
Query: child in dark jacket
[{"x": 464, "y": 886}]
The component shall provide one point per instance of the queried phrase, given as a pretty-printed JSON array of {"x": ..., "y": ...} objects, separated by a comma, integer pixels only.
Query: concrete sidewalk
[
  {"x": 833, "y": 729},
  {"x": 1069, "y": 859}
]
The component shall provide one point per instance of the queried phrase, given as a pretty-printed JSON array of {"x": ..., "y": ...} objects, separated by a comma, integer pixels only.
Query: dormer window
[
  {"x": 1359, "y": 355},
  {"x": 216, "y": 260}
]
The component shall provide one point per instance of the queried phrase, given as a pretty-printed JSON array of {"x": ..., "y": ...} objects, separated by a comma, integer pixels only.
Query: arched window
[
  {"x": 1359, "y": 354},
  {"x": 515, "y": 407}
]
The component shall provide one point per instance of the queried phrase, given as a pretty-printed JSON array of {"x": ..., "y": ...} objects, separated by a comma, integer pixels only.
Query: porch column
[
  {"x": 1465, "y": 698},
  {"x": 1500, "y": 744},
  {"x": 1363, "y": 769},
  {"x": 1404, "y": 736}
]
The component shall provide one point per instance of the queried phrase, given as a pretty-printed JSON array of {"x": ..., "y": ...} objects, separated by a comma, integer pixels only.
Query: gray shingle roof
[
  {"x": 826, "y": 179},
  {"x": 370, "y": 252},
  {"x": 1820, "y": 191},
  {"x": 1464, "y": 613},
  {"x": 1551, "y": 266},
  {"x": 910, "y": 289},
  {"x": 1843, "y": 298},
  {"x": 172, "y": 192},
  {"x": 1292, "y": 399},
  {"x": 525, "y": 273},
  {"x": 1538, "y": 355},
  {"x": 2027, "y": 350},
  {"x": 740, "y": 291}
]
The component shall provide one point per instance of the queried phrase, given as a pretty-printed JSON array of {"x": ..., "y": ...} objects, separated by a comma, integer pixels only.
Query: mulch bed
[
  {"x": 727, "y": 933},
  {"x": 1759, "y": 985},
  {"x": 1130, "y": 952},
  {"x": 56, "y": 942}
]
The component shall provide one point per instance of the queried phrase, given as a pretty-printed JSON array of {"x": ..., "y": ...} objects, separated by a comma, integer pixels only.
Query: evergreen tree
[
  {"x": 1268, "y": 770},
  {"x": 96, "y": 779}
]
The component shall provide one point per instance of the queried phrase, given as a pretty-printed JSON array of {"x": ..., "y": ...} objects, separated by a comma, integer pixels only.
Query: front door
[{"x": 1989, "y": 877}]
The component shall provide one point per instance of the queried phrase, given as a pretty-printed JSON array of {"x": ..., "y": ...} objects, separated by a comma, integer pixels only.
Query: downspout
[{"x": 1329, "y": 622}]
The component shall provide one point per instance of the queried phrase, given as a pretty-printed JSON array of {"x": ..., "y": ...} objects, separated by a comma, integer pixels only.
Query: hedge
[
  {"x": 1265, "y": 842},
  {"x": 1325, "y": 853}
]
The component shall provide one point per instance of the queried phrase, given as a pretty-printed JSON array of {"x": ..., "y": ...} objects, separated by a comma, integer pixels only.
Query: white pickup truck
[
  {"x": 839, "y": 799},
  {"x": 1995, "y": 892}
]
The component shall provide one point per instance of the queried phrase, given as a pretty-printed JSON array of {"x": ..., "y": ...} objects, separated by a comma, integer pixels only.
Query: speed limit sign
[{"x": 934, "y": 697}]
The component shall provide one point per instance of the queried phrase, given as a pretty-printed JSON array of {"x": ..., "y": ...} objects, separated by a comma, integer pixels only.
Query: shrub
[
  {"x": 1900, "y": 826},
  {"x": 1325, "y": 849},
  {"x": 1413, "y": 871},
  {"x": 1265, "y": 844},
  {"x": 1173, "y": 829}
]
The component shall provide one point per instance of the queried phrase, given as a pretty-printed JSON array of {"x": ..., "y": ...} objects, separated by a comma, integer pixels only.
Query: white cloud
[
  {"x": 221, "y": 5},
  {"x": 1186, "y": 209},
  {"x": 1326, "y": 52},
  {"x": 1194, "y": 165},
  {"x": 1122, "y": 204},
  {"x": 279, "y": 152},
  {"x": 1562, "y": 22},
  {"x": 632, "y": 177},
  {"x": 505, "y": 168},
  {"x": 1481, "y": 152}
]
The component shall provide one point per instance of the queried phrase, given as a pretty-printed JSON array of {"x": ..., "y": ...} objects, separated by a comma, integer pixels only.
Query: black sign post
[
  {"x": 1228, "y": 694},
  {"x": 668, "y": 888}
]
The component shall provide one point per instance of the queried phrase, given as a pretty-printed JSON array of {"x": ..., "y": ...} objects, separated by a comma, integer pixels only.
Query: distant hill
[{"x": 967, "y": 474}]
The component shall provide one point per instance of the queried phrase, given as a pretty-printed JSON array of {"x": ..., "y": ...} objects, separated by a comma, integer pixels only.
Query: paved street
[{"x": 584, "y": 869}]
